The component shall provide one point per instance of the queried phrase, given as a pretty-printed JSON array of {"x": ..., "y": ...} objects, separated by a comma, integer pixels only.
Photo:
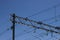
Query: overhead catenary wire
[
  {"x": 36, "y": 37},
  {"x": 55, "y": 14},
  {"x": 5, "y": 31},
  {"x": 39, "y": 28},
  {"x": 40, "y": 23},
  {"x": 53, "y": 18},
  {"x": 37, "y": 22},
  {"x": 43, "y": 28},
  {"x": 34, "y": 28},
  {"x": 18, "y": 35},
  {"x": 49, "y": 19},
  {"x": 44, "y": 10}
]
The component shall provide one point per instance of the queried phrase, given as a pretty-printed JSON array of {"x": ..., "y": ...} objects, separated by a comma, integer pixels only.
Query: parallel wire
[
  {"x": 55, "y": 14},
  {"x": 36, "y": 37},
  {"x": 41, "y": 23},
  {"x": 18, "y": 35},
  {"x": 51, "y": 18},
  {"x": 4, "y": 31},
  {"x": 47, "y": 10},
  {"x": 41, "y": 28},
  {"x": 44, "y": 10}
]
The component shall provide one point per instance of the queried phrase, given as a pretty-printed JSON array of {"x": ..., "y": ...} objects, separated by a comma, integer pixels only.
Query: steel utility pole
[{"x": 13, "y": 27}]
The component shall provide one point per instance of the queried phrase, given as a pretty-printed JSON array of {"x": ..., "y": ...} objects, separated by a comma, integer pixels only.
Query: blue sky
[{"x": 25, "y": 8}]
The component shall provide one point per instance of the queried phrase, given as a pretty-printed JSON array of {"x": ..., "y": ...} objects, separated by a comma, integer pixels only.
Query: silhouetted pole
[{"x": 13, "y": 27}]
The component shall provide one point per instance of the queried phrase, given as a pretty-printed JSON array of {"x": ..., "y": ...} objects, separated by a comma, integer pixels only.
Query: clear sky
[{"x": 25, "y": 8}]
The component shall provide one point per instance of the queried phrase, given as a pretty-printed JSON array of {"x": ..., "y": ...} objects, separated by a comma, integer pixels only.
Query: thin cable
[
  {"x": 51, "y": 18},
  {"x": 42, "y": 28},
  {"x": 40, "y": 23},
  {"x": 4, "y": 31},
  {"x": 55, "y": 14},
  {"x": 34, "y": 28},
  {"x": 44, "y": 10},
  {"x": 18, "y": 35},
  {"x": 36, "y": 37}
]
